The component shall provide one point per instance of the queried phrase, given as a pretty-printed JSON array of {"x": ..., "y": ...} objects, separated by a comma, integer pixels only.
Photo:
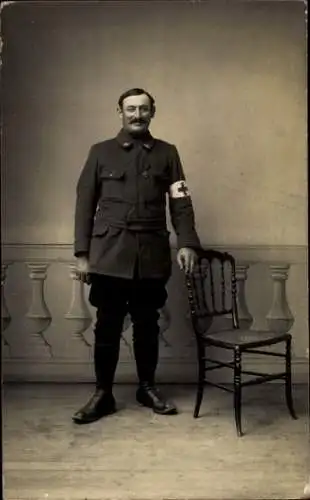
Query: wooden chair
[{"x": 212, "y": 292}]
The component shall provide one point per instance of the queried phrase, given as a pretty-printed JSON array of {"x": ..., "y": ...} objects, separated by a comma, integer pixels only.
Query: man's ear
[
  {"x": 119, "y": 111},
  {"x": 153, "y": 111}
]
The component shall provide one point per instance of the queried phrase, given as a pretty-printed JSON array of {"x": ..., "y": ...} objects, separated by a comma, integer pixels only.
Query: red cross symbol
[{"x": 183, "y": 189}]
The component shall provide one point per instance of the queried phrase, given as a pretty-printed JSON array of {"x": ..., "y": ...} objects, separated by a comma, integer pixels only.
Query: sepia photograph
[{"x": 154, "y": 250}]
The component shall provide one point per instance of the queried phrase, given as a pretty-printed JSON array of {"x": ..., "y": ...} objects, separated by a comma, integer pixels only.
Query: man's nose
[{"x": 137, "y": 113}]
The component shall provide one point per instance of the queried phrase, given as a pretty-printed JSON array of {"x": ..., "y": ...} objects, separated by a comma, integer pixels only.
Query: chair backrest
[{"x": 212, "y": 289}]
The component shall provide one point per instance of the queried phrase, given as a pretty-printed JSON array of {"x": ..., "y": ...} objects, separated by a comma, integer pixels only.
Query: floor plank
[{"x": 136, "y": 454}]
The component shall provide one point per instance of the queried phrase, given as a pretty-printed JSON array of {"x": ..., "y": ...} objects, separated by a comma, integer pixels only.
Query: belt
[{"x": 139, "y": 224}]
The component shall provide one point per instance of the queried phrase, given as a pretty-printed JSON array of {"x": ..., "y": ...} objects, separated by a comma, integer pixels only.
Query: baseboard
[{"x": 169, "y": 371}]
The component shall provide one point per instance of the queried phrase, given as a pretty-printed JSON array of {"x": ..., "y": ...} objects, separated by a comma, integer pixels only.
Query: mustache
[{"x": 137, "y": 121}]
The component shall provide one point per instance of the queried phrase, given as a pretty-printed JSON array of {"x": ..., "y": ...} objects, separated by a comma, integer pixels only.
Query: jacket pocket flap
[
  {"x": 100, "y": 228},
  {"x": 110, "y": 173}
]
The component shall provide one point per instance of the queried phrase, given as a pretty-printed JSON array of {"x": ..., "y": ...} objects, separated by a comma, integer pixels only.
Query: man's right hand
[{"x": 82, "y": 267}]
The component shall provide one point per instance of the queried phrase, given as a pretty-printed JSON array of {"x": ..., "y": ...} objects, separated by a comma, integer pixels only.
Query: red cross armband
[{"x": 179, "y": 189}]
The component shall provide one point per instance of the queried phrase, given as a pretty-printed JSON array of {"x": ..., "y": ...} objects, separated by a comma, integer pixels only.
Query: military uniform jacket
[{"x": 120, "y": 213}]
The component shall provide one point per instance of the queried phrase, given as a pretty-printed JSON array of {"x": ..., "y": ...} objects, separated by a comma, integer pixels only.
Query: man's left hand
[{"x": 187, "y": 259}]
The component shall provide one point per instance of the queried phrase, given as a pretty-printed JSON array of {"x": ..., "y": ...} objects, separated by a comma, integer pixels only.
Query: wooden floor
[{"x": 138, "y": 455}]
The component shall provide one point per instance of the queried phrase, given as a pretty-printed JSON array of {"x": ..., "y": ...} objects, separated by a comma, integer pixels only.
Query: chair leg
[
  {"x": 237, "y": 390},
  {"x": 288, "y": 380},
  {"x": 200, "y": 387},
  {"x": 199, "y": 397}
]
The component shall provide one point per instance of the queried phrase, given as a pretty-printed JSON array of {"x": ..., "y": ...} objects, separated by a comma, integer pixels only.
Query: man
[{"x": 122, "y": 246}]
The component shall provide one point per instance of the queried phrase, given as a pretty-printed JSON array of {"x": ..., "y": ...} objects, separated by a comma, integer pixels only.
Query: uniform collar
[{"x": 127, "y": 141}]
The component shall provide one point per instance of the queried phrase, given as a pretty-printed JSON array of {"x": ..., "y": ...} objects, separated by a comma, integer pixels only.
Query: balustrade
[{"x": 36, "y": 336}]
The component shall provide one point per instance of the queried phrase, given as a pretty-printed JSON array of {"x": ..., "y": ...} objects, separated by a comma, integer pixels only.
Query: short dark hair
[{"x": 136, "y": 91}]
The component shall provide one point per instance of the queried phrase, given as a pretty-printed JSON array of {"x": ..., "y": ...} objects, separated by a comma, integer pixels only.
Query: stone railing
[{"x": 47, "y": 321}]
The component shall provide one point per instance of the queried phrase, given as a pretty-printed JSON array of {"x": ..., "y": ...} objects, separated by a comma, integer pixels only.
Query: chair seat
[{"x": 244, "y": 338}]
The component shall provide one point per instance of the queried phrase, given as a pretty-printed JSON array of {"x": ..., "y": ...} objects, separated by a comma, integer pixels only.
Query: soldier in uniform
[{"x": 122, "y": 247}]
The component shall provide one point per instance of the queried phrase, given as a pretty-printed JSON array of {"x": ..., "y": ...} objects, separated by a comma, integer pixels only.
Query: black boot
[
  {"x": 148, "y": 395},
  {"x": 102, "y": 403},
  {"x": 106, "y": 352}
]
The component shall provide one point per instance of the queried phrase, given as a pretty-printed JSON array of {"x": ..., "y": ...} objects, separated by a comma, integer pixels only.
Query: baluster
[
  {"x": 164, "y": 323},
  {"x": 127, "y": 323},
  {"x": 245, "y": 318},
  {"x": 126, "y": 328},
  {"x": 78, "y": 314},
  {"x": 5, "y": 315},
  {"x": 279, "y": 318},
  {"x": 38, "y": 316}
]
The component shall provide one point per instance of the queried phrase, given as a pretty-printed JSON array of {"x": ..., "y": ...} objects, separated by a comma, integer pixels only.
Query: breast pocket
[
  {"x": 112, "y": 183},
  {"x": 161, "y": 180},
  {"x": 158, "y": 185},
  {"x": 154, "y": 180}
]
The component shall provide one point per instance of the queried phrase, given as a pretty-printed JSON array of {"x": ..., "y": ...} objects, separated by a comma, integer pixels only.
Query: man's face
[{"x": 136, "y": 114}]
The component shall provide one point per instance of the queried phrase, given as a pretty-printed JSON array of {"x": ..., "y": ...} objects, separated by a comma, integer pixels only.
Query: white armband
[{"x": 179, "y": 189}]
